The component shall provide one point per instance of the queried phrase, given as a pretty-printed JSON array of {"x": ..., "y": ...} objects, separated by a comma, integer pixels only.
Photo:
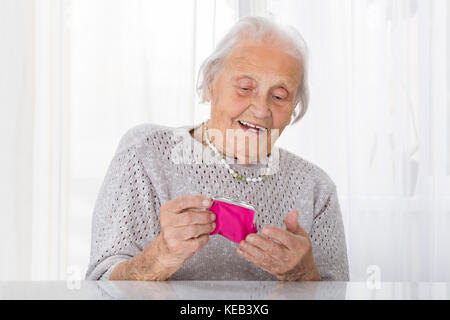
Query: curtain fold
[
  {"x": 379, "y": 101},
  {"x": 16, "y": 132},
  {"x": 80, "y": 73}
]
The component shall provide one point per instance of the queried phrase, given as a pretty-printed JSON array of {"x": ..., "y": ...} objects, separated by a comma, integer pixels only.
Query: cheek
[
  {"x": 238, "y": 106},
  {"x": 281, "y": 117},
  {"x": 232, "y": 105}
]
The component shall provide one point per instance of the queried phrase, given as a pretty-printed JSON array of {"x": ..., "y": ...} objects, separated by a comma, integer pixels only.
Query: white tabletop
[{"x": 222, "y": 290}]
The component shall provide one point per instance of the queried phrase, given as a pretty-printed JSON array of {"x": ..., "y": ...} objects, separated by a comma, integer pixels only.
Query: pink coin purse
[{"x": 234, "y": 219}]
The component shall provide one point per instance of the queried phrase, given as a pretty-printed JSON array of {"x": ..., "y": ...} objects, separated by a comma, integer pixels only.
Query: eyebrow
[{"x": 246, "y": 75}]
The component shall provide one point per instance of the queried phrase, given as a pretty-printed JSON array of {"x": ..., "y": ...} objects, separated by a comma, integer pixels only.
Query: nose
[{"x": 259, "y": 108}]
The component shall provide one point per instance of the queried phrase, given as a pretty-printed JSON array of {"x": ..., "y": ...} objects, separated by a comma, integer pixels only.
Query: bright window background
[
  {"x": 77, "y": 74},
  {"x": 142, "y": 59}
]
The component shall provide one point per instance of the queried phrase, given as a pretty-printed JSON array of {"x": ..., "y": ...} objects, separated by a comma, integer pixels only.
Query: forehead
[{"x": 263, "y": 62}]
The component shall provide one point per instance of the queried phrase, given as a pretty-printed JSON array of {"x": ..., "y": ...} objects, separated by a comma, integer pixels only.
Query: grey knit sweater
[{"x": 150, "y": 168}]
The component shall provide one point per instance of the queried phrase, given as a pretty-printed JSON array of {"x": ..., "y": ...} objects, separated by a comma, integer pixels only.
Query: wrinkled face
[{"x": 257, "y": 85}]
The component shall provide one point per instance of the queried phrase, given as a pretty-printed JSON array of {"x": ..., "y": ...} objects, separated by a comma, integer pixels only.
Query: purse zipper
[{"x": 238, "y": 203}]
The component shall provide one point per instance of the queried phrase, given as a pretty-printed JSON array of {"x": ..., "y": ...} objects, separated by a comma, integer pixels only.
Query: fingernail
[
  {"x": 206, "y": 203},
  {"x": 213, "y": 217},
  {"x": 214, "y": 226},
  {"x": 266, "y": 231}
]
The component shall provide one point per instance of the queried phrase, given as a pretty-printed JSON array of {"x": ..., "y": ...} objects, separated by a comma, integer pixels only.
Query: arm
[
  {"x": 138, "y": 268},
  {"x": 184, "y": 231},
  {"x": 328, "y": 238},
  {"x": 126, "y": 215}
]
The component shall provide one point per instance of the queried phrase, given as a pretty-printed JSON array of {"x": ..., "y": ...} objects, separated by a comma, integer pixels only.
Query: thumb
[{"x": 292, "y": 225}]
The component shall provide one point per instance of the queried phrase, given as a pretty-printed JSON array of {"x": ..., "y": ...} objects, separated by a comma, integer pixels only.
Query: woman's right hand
[{"x": 185, "y": 228}]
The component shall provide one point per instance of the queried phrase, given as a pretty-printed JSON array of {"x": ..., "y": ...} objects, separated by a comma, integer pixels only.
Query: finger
[
  {"x": 260, "y": 257},
  {"x": 255, "y": 259},
  {"x": 198, "y": 243},
  {"x": 178, "y": 205},
  {"x": 301, "y": 231},
  {"x": 285, "y": 237},
  {"x": 291, "y": 221},
  {"x": 292, "y": 224},
  {"x": 275, "y": 250},
  {"x": 193, "y": 217},
  {"x": 193, "y": 231}
]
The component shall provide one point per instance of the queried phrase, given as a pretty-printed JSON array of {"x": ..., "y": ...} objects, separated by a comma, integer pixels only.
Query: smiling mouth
[{"x": 246, "y": 126}]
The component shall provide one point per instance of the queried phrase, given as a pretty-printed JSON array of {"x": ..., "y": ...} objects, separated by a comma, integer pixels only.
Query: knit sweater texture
[{"x": 154, "y": 164}]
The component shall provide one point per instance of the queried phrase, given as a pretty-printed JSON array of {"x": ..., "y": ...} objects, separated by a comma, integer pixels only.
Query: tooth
[{"x": 253, "y": 126}]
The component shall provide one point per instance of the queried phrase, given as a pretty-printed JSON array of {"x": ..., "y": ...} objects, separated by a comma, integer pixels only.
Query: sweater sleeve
[
  {"x": 125, "y": 217},
  {"x": 328, "y": 236}
]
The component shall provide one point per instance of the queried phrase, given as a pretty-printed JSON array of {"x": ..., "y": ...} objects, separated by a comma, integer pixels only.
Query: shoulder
[
  {"x": 315, "y": 183},
  {"x": 309, "y": 172},
  {"x": 142, "y": 135}
]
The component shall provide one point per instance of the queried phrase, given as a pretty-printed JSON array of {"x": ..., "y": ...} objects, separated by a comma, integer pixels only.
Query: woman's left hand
[{"x": 291, "y": 259}]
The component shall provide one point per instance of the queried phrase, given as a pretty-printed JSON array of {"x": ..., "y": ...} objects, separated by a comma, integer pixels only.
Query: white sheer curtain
[
  {"x": 378, "y": 124},
  {"x": 16, "y": 123},
  {"x": 80, "y": 73}
]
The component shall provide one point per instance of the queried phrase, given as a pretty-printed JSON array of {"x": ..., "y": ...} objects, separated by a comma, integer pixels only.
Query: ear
[{"x": 211, "y": 90}]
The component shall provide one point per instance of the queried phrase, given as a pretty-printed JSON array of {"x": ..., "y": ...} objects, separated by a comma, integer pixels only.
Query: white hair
[{"x": 258, "y": 29}]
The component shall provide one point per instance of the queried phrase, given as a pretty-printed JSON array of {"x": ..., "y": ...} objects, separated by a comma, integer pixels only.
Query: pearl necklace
[{"x": 232, "y": 172}]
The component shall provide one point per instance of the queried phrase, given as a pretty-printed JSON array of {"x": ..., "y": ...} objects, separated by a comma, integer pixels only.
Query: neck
[{"x": 198, "y": 134}]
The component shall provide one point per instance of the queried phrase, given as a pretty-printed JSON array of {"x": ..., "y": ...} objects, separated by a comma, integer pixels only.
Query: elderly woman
[{"x": 151, "y": 219}]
